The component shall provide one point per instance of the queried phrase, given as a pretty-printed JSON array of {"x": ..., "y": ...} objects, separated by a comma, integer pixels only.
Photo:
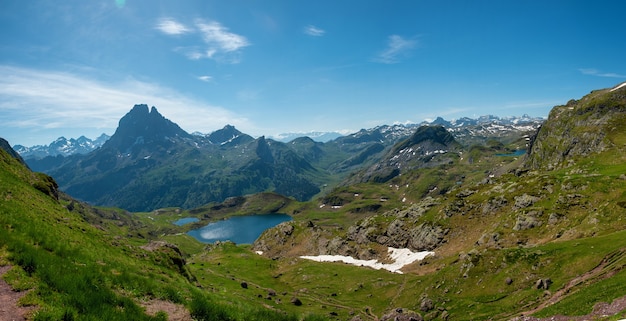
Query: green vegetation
[
  {"x": 512, "y": 235},
  {"x": 73, "y": 270}
]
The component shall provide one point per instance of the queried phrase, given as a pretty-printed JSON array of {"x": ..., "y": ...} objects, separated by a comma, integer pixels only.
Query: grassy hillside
[
  {"x": 537, "y": 235},
  {"x": 80, "y": 263}
]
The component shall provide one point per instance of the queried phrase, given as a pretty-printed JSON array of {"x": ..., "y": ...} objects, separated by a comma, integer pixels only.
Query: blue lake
[
  {"x": 518, "y": 152},
  {"x": 239, "y": 229},
  {"x": 186, "y": 220}
]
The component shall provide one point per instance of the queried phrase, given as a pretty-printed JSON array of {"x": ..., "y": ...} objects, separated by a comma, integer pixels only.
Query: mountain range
[
  {"x": 533, "y": 236},
  {"x": 62, "y": 146},
  {"x": 150, "y": 162},
  {"x": 486, "y": 126}
]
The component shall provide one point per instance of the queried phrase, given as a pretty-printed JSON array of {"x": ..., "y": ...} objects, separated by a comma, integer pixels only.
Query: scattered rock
[
  {"x": 427, "y": 305},
  {"x": 543, "y": 284},
  {"x": 524, "y": 201},
  {"x": 489, "y": 240},
  {"x": 527, "y": 221},
  {"x": 402, "y": 315},
  {"x": 553, "y": 218},
  {"x": 295, "y": 301},
  {"x": 508, "y": 281}
]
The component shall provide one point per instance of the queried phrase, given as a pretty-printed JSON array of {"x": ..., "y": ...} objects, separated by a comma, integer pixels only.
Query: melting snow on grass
[{"x": 400, "y": 257}]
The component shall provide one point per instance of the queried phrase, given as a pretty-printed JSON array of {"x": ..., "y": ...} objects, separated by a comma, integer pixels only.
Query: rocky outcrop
[
  {"x": 400, "y": 228},
  {"x": 428, "y": 146},
  {"x": 7, "y": 148},
  {"x": 400, "y": 314},
  {"x": 577, "y": 129}
]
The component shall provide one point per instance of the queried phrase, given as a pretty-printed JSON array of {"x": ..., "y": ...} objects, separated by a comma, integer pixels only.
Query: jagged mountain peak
[
  {"x": 427, "y": 146},
  {"x": 62, "y": 146},
  {"x": 143, "y": 126},
  {"x": 436, "y": 135},
  {"x": 225, "y": 135}
]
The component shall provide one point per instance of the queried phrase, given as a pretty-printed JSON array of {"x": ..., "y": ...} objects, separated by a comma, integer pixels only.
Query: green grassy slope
[{"x": 77, "y": 264}]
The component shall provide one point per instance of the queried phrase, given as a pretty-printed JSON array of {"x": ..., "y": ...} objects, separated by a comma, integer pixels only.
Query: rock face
[
  {"x": 367, "y": 239},
  {"x": 577, "y": 129},
  {"x": 143, "y": 126},
  {"x": 428, "y": 146},
  {"x": 7, "y": 148},
  {"x": 400, "y": 229}
]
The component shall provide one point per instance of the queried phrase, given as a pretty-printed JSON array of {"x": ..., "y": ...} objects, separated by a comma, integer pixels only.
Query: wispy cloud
[
  {"x": 219, "y": 43},
  {"x": 33, "y": 100},
  {"x": 172, "y": 27},
  {"x": 314, "y": 31},
  {"x": 598, "y": 73},
  {"x": 397, "y": 48},
  {"x": 205, "y": 78},
  {"x": 218, "y": 36}
]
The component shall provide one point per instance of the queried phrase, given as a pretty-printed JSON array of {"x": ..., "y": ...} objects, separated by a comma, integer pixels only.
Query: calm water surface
[
  {"x": 239, "y": 229},
  {"x": 186, "y": 220},
  {"x": 518, "y": 152}
]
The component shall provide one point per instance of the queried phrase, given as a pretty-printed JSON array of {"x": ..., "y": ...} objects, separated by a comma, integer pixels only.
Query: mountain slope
[
  {"x": 150, "y": 162},
  {"x": 511, "y": 235},
  {"x": 580, "y": 128},
  {"x": 428, "y": 146},
  {"x": 75, "y": 262}
]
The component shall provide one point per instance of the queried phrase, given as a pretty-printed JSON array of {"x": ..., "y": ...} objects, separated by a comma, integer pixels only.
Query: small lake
[
  {"x": 239, "y": 229},
  {"x": 186, "y": 220},
  {"x": 518, "y": 152}
]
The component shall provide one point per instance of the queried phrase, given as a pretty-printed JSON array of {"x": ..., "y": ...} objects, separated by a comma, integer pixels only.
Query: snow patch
[
  {"x": 618, "y": 87},
  {"x": 400, "y": 258}
]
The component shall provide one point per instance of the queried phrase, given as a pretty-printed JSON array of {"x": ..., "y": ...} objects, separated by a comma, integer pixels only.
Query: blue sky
[{"x": 75, "y": 67}]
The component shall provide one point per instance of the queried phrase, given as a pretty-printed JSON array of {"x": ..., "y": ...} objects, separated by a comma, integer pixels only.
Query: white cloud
[
  {"x": 397, "y": 47},
  {"x": 219, "y": 38},
  {"x": 314, "y": 31},
  {"x": 205, "y": 78},
  {"x": 172, "y": 27},
  {"x": 219, "y": 43},
  {"x": 32, "y": 100},
  {"x": 598, "y": 73}
]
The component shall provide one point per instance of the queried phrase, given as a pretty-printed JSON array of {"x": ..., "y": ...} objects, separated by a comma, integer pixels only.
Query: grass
[
  {"x": 74, "y": 270},
  {"x": 80, "y": 263}
]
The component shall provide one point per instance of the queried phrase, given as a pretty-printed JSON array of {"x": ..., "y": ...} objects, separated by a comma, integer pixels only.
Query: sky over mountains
[{"x": 75, "y": 67}]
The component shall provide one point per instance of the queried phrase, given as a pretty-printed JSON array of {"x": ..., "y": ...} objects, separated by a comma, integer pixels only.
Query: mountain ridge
[
  {"x": 65, "y": 147},
  {"x": 151, "y": 162}
]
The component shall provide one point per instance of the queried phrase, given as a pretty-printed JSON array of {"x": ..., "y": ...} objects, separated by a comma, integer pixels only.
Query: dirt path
[
  {"x": 600, "y": 310},
  {"x": 609, "y": 266},
  {"x": 9, "y": 309},
  {"x": 175, "y": 312}
]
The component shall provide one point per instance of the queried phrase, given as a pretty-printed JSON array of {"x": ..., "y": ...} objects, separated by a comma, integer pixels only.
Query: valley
[{"x": 514, "y": 236}]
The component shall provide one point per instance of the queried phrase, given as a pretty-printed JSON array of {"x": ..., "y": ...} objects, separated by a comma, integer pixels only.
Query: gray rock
[
  {"x": 524, "y": 201},
  {"x": 427, "y": 305}
]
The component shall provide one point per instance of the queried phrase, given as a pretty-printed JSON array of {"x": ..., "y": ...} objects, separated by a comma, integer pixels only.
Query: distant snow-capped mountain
[
  {"x": 322, "y": 137},
  {"x": 461, "y": 128},
  {"x": 62, "y": 146},
  {"x": 481, "y": 126}
]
